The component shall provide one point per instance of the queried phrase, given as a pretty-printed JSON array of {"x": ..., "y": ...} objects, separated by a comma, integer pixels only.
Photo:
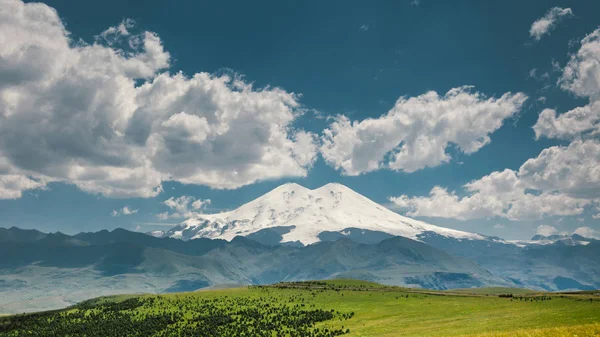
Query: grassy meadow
[{"x": 323, "y": 308}]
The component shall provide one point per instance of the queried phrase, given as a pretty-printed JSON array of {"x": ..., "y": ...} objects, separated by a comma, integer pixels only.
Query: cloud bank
[
  {"x": 110, "y": 117},
  {"x": 560, "y": 181}
]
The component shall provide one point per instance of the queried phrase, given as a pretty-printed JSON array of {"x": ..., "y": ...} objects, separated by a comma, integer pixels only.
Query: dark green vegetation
[
  {"x": 321, "y": 308},
  {"x": 270, "y": 314}
]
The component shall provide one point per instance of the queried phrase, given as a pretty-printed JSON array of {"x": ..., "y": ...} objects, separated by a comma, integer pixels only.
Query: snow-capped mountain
[{"x": 299, "y": 214}]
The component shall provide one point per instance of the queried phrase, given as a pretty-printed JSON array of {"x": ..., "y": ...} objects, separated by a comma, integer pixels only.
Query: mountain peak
[
  {"x": 336, "y": 187},
  {"x": 289, "y": 186},
  {"x": 306, "y": 214},
  {"x": 332, "y": 185}
]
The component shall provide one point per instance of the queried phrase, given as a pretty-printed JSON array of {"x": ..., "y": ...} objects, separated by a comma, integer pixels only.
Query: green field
[
  {"x": 493, "y": 291},
  {"x": 322, "y": 308}
]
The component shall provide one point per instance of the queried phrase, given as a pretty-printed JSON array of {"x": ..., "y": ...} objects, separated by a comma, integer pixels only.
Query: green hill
[{"x": 319, "y": 308}]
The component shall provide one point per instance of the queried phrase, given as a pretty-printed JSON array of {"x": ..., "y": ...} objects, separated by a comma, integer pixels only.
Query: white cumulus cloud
[
  {"x": 596, "y": 211},
  {"x": 416, "y": 132},
  {"x": 126, "y": 210},
  {"x": 183, "y": 207},
  {"x": 581, "y": 76},
  {"x": 545, "y": 24},
  {"x": 572, "y": 169},
  {"x": 569, "y": 124},
  {"x": 588, "y": 232},
  {"x": 559, "y": 181},
  {"x": 13, "y": 185},
  {"x": 112, "y": 118},
  {"x": 546, "y": 230}
]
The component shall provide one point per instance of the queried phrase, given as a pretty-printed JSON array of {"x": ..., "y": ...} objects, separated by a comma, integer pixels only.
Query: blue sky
[{"x": 352, "y": 59}]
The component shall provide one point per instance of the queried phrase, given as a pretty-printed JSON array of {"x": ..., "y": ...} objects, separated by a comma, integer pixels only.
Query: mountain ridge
[{"x": 43, "y": 268}]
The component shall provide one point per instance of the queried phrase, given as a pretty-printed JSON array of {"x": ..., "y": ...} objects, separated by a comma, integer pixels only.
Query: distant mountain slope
[
  {"x": 43, "y": 271},
  {"x": 551, "y": 265},
  {"x": 20, "y": 235},
  {"x": 57, "y": 268},
  {"x": 571, "y": 240},
  {"x": 303, "y": 215}
]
